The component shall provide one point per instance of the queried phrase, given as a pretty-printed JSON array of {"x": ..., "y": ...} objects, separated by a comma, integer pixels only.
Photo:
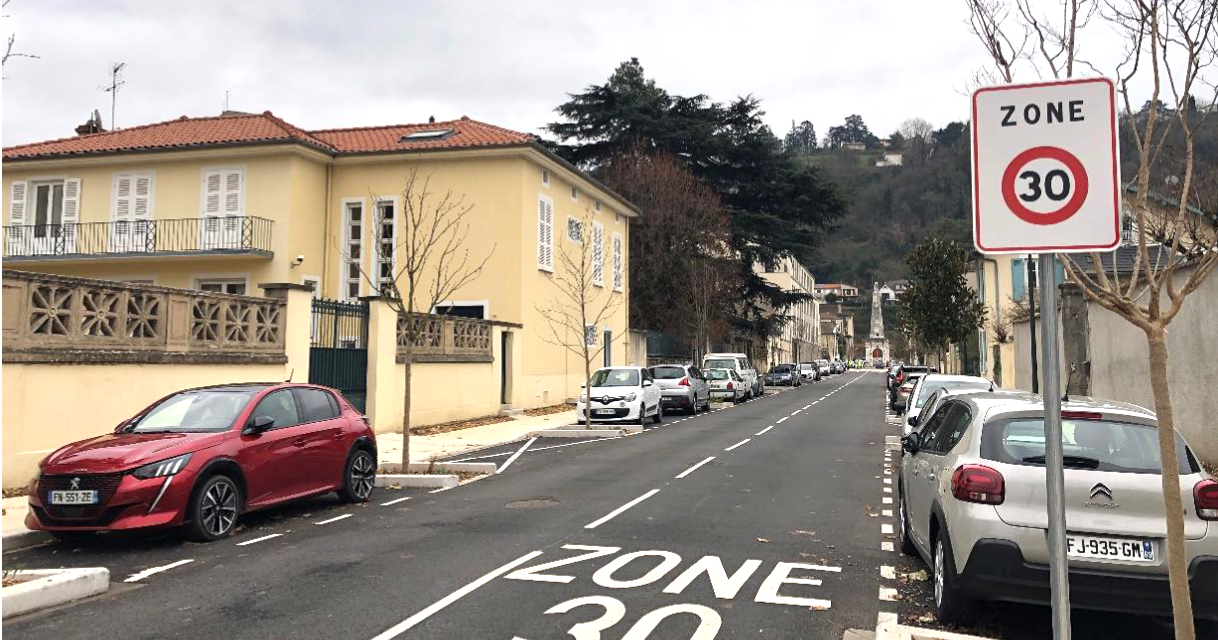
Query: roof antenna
[
  {"x": 116, "y": 69},
  {"x": 290, "y": 374}
]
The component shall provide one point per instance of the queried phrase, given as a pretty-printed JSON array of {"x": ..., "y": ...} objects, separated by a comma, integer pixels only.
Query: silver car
[
  {"x": 971, "y": 503},
  {"x": 726, "y": 385},
  {"x": 682, "y": 386},
  {"x": 930, "y": 383}
]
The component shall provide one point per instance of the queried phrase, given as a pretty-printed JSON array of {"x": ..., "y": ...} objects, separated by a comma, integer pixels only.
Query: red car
[{"x": 199, "y": 458}]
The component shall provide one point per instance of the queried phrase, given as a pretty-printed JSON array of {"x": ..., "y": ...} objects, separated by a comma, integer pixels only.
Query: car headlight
[
  {"x": 583, "y": 397},
  {"x": 630, "y": 397},
  {"x": 162, "y": 468}
]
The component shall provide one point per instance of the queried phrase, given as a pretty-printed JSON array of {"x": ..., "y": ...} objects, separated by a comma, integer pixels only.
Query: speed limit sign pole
[{"x": 1046, "y": 180}]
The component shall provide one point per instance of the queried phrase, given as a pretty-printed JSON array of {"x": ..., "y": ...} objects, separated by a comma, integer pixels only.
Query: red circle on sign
[{"x": 1053, "y": 217}]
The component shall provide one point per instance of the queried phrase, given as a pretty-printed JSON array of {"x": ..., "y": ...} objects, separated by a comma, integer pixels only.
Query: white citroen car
[{"x": 621, "y": 394}]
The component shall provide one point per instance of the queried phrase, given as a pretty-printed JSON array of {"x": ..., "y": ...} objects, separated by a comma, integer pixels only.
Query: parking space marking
[
  {"x": 885, "y": 546},
  {"x": 888, "y": 573},
  {"x": 887, "y": 480},
  {"x": 887, "y": 513},
  {"x": 618, "y": 511},
  {"x": 336, "y": 518},
  {"x": 394, "y": 501},
  {"x": 762, "y": 432},
  {"x": 888, "y": 595},
  {"x": 886, "y": 529},
  {"x": 405, "y": 625},
  {"x": 691, "y": 469},
  {"x": 515, "y": 455},
  {"x": 741, "y": 443},
  {"x": 136, "y": 577},
  {"x": 887, "y": 500},
  {"x": 887, "y": 489},
  {"x": 273, "y": 535}
]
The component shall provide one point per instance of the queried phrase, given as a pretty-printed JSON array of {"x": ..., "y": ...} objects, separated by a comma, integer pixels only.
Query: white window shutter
[
  {"x": 142, "y": 207},
  {"x": 71, "y": 200},
  {"x": 598, "y": 254},
  {"x": 212, "y": 187},
  {"x": 122, "y": 198},
  {"x": 16, "y": 209},
  {"x": 233, "y": 180},
  {"x": 545, "y": 234},
  {"x": 617, "y": 262}
]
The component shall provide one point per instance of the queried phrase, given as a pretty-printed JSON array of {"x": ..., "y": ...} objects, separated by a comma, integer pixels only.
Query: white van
[{"x": 741, "y": 364}]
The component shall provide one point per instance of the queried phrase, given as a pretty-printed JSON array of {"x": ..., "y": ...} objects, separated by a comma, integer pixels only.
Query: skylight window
[{"x": 434, "y": 134}]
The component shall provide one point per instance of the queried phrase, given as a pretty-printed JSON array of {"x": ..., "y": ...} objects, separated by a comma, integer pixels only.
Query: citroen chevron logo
[
  {"x": 1101, "y": 490},
  {"x": 1101, "y": 497}
]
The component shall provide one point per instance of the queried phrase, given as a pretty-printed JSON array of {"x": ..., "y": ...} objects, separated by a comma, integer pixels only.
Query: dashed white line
[
  {"x": 887, "y": 480},
  {"x": 782, "y": 419},
  {"x": 886, "y": 529},
  {"x": 888, "y": 573},
  {"x": 405, "y": 625},
  {"x": 887, "y": 500},
  {"x": 887, "y": 489},
  {"x": 888, "y": 595},
  {"x": 336, "y": 518},
  {"x": 796, "y": 412},
  {"x": 691, "y": 469},
  {"x": 807, "y": 406},
  {"x": 515, "y": 455},
  {"x": 394, "y": 501},
  {"x": 273, "y": 535},
  {"x": 885, "y": 546},
  {"x": 136, "y": 577},
  {"x": 764, "y": 430},
  {"x": 887, "y": 513},
  {"x": 612, "y": 514},
  {"x": 741, "y": 443}
]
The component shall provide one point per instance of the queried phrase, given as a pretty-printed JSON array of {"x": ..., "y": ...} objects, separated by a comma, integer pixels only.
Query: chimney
[
  {"x": 92, "y": 125},
  {"x": 431, "y": 119}
]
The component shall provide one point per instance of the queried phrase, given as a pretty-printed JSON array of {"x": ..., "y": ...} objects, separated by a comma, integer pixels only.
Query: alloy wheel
[
  {"x": 939, "y": 572},
  {"x": 363, "y": 476},
  {"x": 219, "y": 510}
]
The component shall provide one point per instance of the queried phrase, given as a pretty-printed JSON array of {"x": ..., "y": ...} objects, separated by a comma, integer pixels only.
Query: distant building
[
  {"x": 890, "y": 159},
  {"x": 854, "y": 146},
  {"x": 799, "y": 339},
  {"x": 847, "y": 291}
]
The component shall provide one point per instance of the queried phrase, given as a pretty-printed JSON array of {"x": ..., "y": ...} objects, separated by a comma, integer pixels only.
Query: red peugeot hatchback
[{"x": 199, "y": 458}]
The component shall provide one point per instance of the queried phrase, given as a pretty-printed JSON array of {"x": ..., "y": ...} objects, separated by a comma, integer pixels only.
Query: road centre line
[
  {"x": 405, "y": 625},
  {"x": 136, "y": 577},
  {"x": 740, "y": 444},
  {"x": 782, "y": 419},
  {"x": 394, "y": 501},
  {"x": 515, "y": 455},
  {"x": 336, "y": 518},
  {"x": 807, "y": 406},
  {"x": 618, "y": 511},
  {"x": 796, "y": 412},
  {"x": 273, "y": 535},
  {"x": 691, "y": 469},
  {"x": 762, "y": 432}
]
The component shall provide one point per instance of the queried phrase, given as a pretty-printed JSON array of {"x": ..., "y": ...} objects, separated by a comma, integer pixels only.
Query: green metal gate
[{"x": 338, "y": 353}]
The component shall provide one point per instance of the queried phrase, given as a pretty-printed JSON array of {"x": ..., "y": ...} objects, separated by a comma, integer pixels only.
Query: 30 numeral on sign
[{"x": 1035, "y": 192}]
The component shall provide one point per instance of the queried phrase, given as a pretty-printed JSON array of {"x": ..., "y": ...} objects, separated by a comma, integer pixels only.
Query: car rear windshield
[
  {"x": 667, "y": 373},
  {"x": 715, "y": 374},
  {"x": 616, "y": 378},
  {"x": 1088, "y": 444},
  {"x": 720, "y": 363},
  {"x": 958, "y": 385},
  {"x": 781, "y": 368},
  {"x": 197, "y": 410}
]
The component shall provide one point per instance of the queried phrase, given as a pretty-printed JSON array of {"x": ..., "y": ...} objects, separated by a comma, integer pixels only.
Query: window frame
[
  {"x": 575, "y": 223},
  {"x": 276, "y": 427},
  {"x": 223, "y": 280},
  {"x": 377, "y": 240},
  {"x": 344, "y": 279},
  {"x": 300, "y": 407}
]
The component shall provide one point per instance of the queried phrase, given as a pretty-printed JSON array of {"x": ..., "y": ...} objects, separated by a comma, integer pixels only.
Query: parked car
[
  {"x": 971, "y": 503},
  {"x": 200, "y": 458},
  {"x": 740, "y": 363},
  {"x": 902, "y": 374},
  {"x": 901, "y": 401},
  {"x": 783, "y": 375},
  {"x": 931, "y": 382},
  {"x": 809, "y": 371},
  {"x": 621, "y": 394},
  {"x": 725, "y": 384},
  {"x": 839, "y": 366},
  {"x": 681, "y": 385},
  {"x": 892, "y": 377},
  {"x": 825, "y": 368}
]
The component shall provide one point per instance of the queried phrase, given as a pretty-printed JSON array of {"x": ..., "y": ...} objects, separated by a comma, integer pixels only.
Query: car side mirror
[
  {"x": 259, "y": 424},
  {"x": 913, "y": 421},
  {"x": 910, "y": 443}
]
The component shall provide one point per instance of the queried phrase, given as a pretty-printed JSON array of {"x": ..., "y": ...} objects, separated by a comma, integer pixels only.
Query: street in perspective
[{"x": 544, "y": 320}]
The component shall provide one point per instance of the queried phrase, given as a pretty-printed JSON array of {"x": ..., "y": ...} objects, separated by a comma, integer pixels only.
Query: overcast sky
[{"x": 357, "y": 63}]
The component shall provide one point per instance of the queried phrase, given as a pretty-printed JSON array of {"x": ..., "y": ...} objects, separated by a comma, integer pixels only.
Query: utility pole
[
  {"x": 1031, "y": 271},
  {"x": 115, "y": 70}
]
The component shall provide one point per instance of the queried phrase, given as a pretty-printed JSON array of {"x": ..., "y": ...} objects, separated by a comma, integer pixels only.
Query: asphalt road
[{"x": 779, "y": 535}]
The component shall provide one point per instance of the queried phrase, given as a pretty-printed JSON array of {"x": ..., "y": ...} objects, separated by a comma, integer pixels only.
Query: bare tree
[
  {"x": 11, "y": 44},
  {"x": 420, "y": 261},
  {"x": 1168, "y": 43},
  {"x": 584, "y": 299}
]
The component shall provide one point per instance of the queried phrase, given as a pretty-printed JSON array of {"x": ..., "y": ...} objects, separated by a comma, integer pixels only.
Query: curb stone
[
  {"x": 23, "y": 539},
  {"x": 51, "y": 587},
  {"x": 425, "y": 481}
]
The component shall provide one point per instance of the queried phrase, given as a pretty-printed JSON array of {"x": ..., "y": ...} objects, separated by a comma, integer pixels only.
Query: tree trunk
[
  {"x": 1181, "y": 602},
  {"x": 587, "y": 388},
  {"x": 406, "y": 406}
]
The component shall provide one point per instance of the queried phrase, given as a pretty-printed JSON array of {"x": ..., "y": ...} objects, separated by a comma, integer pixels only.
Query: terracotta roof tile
[{"x": 237, "y": 129}]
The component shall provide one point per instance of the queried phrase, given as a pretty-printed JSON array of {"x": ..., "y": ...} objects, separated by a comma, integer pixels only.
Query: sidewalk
[
  {"x": 14, "y": 514},
  {"x": 441, "y": 445}
]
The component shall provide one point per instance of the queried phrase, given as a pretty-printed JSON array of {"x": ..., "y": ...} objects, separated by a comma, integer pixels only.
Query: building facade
[{"x": 799, "y": 339}]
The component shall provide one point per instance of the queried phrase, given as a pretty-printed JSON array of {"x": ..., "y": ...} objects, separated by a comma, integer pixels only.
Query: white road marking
[
  {"x": 405, "y": 625},
  {"x": 886, "y": 529},
  {"x": 888, "y": 595},
  {"x": 807, "y": 406},
  {"x": 515, "y": 455},
  {"x": 691, "y": 469},
  {"x": 394, "y": 501},
  {"x": 887, "y": 513},
  {"x": 887, "y": 480},
  {"x": 764, "y": 430},
  {"x": 888, "y": 573},
  {"x": 136, "y": 577},
  {"x": 782, "y": 419},
  {"x": 336, "y": 518},
  {"x": 618, "y": 511},
  {"x": 885, "y": 546},
  {"x": 273, "y": 535},
  {"x": 796, "y": 412},
  {"x": 887, "y": 500},
  {"x": 741, "y": 443},
  {"x": 441, "y": 490},
  {"x": 887, "y": 489}
]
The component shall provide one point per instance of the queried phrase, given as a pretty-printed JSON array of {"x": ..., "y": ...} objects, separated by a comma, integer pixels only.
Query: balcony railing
[{"x": 182, "y": 236}]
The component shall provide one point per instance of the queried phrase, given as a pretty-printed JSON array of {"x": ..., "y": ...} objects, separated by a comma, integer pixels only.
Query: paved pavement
[{"x": 763, "y": 519}]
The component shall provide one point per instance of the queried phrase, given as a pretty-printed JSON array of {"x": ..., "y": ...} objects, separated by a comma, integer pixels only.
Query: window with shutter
[
  {"x": 223, "y": 197},
  {"x": 1018, "y": 278},
  {"x": 132, "y": 213},
  {"x": 617, "y": 262},
  {"x": 16, "y": 217},
  {"x": 386, "y": 239},
  {"x": 598, "y": 254},
  {"x": 545, "y": 233}
]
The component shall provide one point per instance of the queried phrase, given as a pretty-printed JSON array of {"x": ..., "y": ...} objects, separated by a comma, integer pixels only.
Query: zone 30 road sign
[{"x": 1046, "y": 167}]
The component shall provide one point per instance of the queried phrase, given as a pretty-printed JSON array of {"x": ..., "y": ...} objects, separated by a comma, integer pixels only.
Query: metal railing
[{"x": 224, "y": 234}]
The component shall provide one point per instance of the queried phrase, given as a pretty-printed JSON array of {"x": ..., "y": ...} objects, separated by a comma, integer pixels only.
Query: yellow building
[
  {"x": 799, "y": 340},
  {"x": 223, "y": 204}
]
